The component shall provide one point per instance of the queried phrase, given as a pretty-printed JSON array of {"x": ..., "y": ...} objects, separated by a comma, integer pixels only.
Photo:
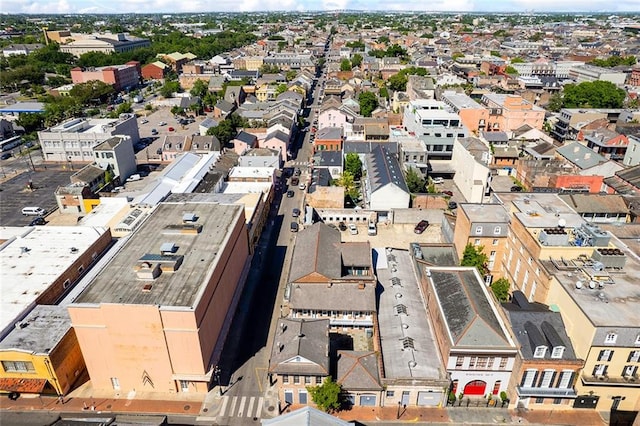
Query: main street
[{"x": 243, "y": 393}]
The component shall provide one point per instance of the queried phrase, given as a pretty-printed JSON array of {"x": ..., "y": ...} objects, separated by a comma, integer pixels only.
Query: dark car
[
  {"x": 38, "y": 221},
  {"x": 290, "y": 194},
  {"x": 449, "y": 193},
  {"x": 342, "y": 226},
  {"x": 516, "y": 188},
  {"x": 294, "y": 227},
  {"x": 452, "y": 205},
  {"x": 295, "y": 212},
  {"x": 6, "y": 155},
  {"x": 421, "y": 226},
  {"x": 297, "y": 172}
]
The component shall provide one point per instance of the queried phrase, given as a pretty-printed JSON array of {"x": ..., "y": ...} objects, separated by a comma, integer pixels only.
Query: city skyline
[{"x": 168, "y": 6}]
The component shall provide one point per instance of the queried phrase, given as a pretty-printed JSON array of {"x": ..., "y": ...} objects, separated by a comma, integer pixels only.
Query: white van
[
  {"x": 33, "y": 211},
  {"x": 372, "y": 230}
]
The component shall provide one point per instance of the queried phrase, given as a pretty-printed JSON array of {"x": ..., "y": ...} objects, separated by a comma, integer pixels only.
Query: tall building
[
  {"x": 152, "y": 320},
  {"x": 121, "y": 77}
]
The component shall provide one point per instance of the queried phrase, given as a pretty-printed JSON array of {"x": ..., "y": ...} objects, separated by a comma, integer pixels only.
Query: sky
[{"x": 173, "y": 6}]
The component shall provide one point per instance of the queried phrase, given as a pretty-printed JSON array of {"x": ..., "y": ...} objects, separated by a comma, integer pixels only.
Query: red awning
[{"x": 22, "y": 385}]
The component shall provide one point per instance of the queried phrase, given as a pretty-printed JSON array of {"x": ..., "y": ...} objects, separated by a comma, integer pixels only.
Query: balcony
[
  {"x": 545, "y": 392},
  {"x": 627, "y": 381}
]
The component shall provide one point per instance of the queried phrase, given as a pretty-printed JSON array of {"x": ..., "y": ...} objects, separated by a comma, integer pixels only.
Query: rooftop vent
[
  {"x": 189, "y": 217},
  {"x": 74, "y": 250},
  {"x": 168, "y": 248}
]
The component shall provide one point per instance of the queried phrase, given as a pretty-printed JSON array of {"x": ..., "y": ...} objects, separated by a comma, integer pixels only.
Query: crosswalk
[
  {"x": 297, "y": 163},
  {"x": 241, "y": 406}
]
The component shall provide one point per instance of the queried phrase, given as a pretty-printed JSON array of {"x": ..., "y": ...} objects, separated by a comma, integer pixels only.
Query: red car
[
  {"x": 449, "y": 193},
  {"x": 421, "y": 226},
  {"x": 171, "y": 129}
]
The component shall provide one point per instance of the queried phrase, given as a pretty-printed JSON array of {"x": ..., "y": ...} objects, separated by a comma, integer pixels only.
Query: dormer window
[
  {"x": 610, "y": 338},
  {"x": 557, "y": 352},
  {"x": 540, "y": 352}
]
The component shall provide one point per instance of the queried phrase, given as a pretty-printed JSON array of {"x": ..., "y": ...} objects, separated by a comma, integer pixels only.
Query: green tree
[
  {"x": 291, "y": 74},
  {"x": 415, "y": 182},
  {"x": 500, "y": 289},
  {"x": 30, "y": 121},
  {"x": 593, "y": 94},
  {"x": 169, "y": 88},
  {"x": 199, "y": 89},
  {"x": 353, "y": 165},
  {"x": 348, "y": 183},
  {"x": 475, "y": 256},
  {"x": 91, "y": 91},
  {"x": 368, "y": 102},
  {"x": 327, "y": 395},
  {"x": 356, "y": 60},
  {"x": 281, "y": 88},
  {"x": 555, "y": 102},
  {"x": 511, "y": 70},
  {"x": 345, "y": 65}
]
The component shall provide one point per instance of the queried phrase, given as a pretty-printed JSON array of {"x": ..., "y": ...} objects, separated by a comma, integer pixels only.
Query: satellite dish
[
  {"x": 578, "y": 284},
  {"x": 592, "y": 284},
  {"x": 562, "y": 223}
]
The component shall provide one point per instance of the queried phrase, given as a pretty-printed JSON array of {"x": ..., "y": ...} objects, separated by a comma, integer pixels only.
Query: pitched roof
[
  {"x": 466, "y": 309},
  {"x": 306, "y": 416},
  {"x": 358, "y": 370},
  {"x": 595, "y": 203},
  {"x": 246, "y": 137},
  {"x": 317, "y": 250},
  {"x": 580, "y": 155},
  {"x": 383, "y": 168},
  {"x": 300, "y": 347}
]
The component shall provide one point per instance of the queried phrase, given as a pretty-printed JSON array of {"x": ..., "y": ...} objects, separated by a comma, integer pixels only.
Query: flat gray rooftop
[
  {"x": 40, "y": 331},
  {"x": 119, "y": 283},
  {"x": 494, "y": 213},
  {"x": 400, "y": 293},
  {"x": 541, "y": 210}
]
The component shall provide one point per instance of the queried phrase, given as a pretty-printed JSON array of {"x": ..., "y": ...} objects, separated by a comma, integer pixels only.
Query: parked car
[
  {"x": 372, "y": 229},
  {"x": 297, "y": 172},
  {"x": 154, "y": 131},
  {"x": 38, "y": 221},
  {"x": 162, "y": 123},
  {"x": 6, "y": 155},
  {"x": 290, "y": 194},
  {"x": 134, "y": 177},
  {"x": 342, "y": 226},
  {"x": 438, "y": 180},
  {"x": 516, "y": 188},
  {"x": 302, "y": 186},
  {"x": 294, "y": 227},
  {"x": 353, "y": 229},
  {"x": 171, "y": 129},
  {"x": 295, "y": 212},
  {"x": 449, "y": 193},
  {"x": 421, "y": 226},
  {"x": 144, "y": 121},
  {"x": 33, "y": 211},
  {"x": 452, "y": 205}
]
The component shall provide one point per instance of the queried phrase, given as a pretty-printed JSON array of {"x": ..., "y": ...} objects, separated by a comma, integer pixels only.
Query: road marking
[
  {"x": 233, "y": 405},
  {"x": 258, "y": 377},
  {"x": 225, "y": 401},
  {"x": 250, "y": 408},
  {"x": 259, "y": 409},
  {"x": 241, "y": 408}
]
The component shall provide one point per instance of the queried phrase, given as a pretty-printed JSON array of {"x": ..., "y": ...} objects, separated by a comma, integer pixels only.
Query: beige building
[{"x": 152, "y": 320}]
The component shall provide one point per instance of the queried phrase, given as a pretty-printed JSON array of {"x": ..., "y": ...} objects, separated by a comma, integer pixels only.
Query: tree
[
  {"x": 500, "y": 289},
  {"x": 281, "y": 89},
  {"x": 348, "y": 183},
  {"x": 593, "y": 94},
  {"x": 368, "y": 102},
  {"x": 94, "y": 90},
  {"x": 511, "y": 70},
  {"x": 356, "y": 60},
  {"x": 30, "y": 121},
  {"x": 555, "y": 102},
  {"x": 169, "y": 88},
  {"x": 415, "y": 182},
  {"x": 475, "y": 256},
  {"x": 199, "y": 89},
  {"x": 345, "y": 65},
  {"x": 353, "y": 165},
  {"x": 327, "y": 395},
  {"x": 291, "y": 74}
]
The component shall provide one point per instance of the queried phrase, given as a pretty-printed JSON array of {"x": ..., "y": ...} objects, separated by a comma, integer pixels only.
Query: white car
[
  {"x": 302, "y": 186},
  {"x": 144, "y": 121},
  {"x": 353, "y": 229},
  {"x": 162, "y": 123},
  {"x": 438, "y": 180}
]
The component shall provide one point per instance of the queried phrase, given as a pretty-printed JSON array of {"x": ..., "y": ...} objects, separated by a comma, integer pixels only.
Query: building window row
[
  {"x": 18, "y": 367},
  {"x": 297, "y": 379}
]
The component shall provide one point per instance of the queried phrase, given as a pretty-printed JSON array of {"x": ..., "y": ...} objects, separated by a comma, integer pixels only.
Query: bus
[{"x": 9, "y": 144}]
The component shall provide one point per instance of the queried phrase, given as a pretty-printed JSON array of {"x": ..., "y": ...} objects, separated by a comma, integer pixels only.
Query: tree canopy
[
  {"x": 398, "y": 82},
  {"x": 327, "y": 395},
  {"x": 415, "y": 182},
  {"x": 475, "y": 256},
  {"x": 500, "y": 289},
  {"x": 593, "y": 94},
  {"x": 614, "y": 61},
  {"x": 345, "y": 65},
  {"x": 368, "y": 102},
  {"x": 353, "y": 165}
]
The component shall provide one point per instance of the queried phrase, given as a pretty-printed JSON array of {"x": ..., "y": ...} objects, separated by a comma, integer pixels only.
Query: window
[
  {"x": 539, "y": 400},
  {"x": 459, "y": 361},
  {"x": 605, "y": 355},
  {"x": 478, "y": 230},
  {"x": 307, "y": 380},
  {"x": 115, "y": 383},
  {"x": 184, "y": 385},
  {"x": 66, "y": 284},
  {"x": 528, "y": 379},
  {"x": 557, "y": 401},
  {"x": 547, "y": 378},
  {"x": 302, "y": 396},
  {"x": 472, "y": 362},
  {"x": 482, "y": 362},
  {"x": 503, "y": 363},
  {"x": 495, "y": 242},
  {"x": 390, "y": 394},
  {"x": 540, "y": 352},
  {"x": 497, "y": 230},
  {"x": 288, "y": 396},
  {"x": 296, "y": 380},
  {"x": 629, "y": 370},
  {"x": 611, "y": 338},
  {"x": 634, "y": 356},
  {"x": 476, "y": 242},
  {"x": 599, "y": 370},
  {"x": 285, "y": 379},
  {"x": 18, "y": 367},
  {"x": 637, "y": 342},
  {"x": 565, "y": 379},
  {"x": 557, "y": 352}
]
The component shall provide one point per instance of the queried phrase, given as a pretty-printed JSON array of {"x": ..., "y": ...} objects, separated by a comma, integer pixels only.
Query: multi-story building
[
  {"x": 105, "y": 43},
  {"x": 587, "y": 73},
  {"x": 116, "y": 154},
  {"x": 153, "y": 319},
  {"x": 510, "y": 112},
  {"x": 473, "y": 115},
  {"x": 632, "y": 154},
  {"x": 435, "y": 123},
  {"x": 299, "y": 358},
  {"x": 384, "y": 184},
  {"x": 547, "y": 367},
  {"x": 571, "y": 120},
  {"x": 73, "y": 141},
  {"x": 483, "y": 225},
  {"x": 471, "y": 160},
  {"x": 121, "y": 77},
  {"x": 607, "y": 143},
  {"x": 328, "y": 139}
]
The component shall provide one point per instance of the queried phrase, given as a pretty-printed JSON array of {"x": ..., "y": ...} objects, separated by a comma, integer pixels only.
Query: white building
[
  {"x": 471, "y": 159},
  {"x": 385, "y": 187},
  {"x": 632, "y": 155},
  {"x": 116, "y": 153},
  {"x": 584, "y": 73},
  {"x": 73, "y": 141}
]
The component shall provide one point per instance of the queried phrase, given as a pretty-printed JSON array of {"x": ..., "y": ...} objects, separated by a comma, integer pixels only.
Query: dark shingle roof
[
  {"x": 317, "y": 250},
  {"x": 383, "y": 168},
  {"x": 358, "y": 370},
  {"x": 307, "y": 339}
]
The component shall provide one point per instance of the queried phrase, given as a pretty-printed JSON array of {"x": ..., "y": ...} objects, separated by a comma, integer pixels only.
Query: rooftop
[
  {"x": 40, "y": 331},
  {"x": 383, "y": 168},
  {"x": 486, "y": 213},
  {"x": 32, "y": 258},
  {"x": 540, "y": 210},
  {"x": 118, "y": 282},
  {"x": 301, "y": 347},
  {"x": 402, "y": 319}
]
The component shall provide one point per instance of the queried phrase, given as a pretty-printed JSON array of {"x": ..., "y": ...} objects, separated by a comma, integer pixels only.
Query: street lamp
[
  {"x": 404, "y": 407},
  {"x": 216, "y": 377}
]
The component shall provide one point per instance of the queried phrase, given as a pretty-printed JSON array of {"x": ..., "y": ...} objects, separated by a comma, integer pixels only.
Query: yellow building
[
  {"x": 41, "y": 354},
  {"x": 266, "y": 92}
]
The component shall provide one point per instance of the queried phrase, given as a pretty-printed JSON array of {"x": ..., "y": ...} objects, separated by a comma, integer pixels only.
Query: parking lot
[
  {"x": 398, "y": 236},
  {"x": 14, "y": 194}
]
